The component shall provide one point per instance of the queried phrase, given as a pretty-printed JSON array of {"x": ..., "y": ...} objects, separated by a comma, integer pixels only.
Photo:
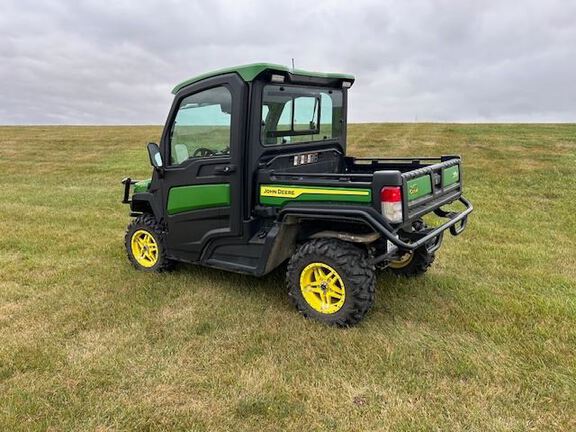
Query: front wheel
[
  {"x": 145, "y": 244},
  {"x": 331, "y": 281}
]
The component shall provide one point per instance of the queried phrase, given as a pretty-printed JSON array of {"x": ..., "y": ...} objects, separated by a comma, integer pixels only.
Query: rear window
[{"x": 293, "y": 114}]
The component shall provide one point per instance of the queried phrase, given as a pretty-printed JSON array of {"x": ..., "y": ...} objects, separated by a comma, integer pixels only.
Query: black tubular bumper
[
  {"x": 456, "y": 224},
  {"x": 127, "y": 182},
  {"x": 456, "y": 221}
]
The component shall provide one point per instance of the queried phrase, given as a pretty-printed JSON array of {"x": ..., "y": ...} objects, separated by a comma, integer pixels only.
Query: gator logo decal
[
  {"x": 294, "y": 192},
  {"x": 450, "y": 175}
]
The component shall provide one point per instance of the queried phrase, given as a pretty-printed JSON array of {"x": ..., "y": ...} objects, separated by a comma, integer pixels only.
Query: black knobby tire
[
  {"x": 148, "y": 223},
  {"x": 420, "y": 262},
  {"x": 353, "y": 266}
]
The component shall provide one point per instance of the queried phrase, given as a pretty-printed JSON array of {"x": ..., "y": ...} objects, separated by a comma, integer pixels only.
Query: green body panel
[
  {"x": 250, "y": 71},
  {"x": 300, "y": 193},
  {"x": 419, "y": 187},
  {"x": 195, "y": 197},
  {"x": 450, "y": 175},
  {"x": 142, "y": 186}
]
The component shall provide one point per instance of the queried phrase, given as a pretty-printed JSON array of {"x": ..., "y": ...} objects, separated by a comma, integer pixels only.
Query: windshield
[{"x": 300, "y": 114}]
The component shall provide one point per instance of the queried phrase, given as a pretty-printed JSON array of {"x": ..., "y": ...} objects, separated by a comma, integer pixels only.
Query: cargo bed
[{"x": 427, "y": 182}]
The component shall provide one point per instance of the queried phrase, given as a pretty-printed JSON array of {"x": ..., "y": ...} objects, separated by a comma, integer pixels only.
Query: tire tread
[
  {"x": 148, "y": 222},
  {"x": 350, "y": 260}
]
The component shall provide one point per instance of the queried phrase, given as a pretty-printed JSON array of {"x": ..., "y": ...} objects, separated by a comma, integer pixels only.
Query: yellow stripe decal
[{"x": 289, "y": 192}]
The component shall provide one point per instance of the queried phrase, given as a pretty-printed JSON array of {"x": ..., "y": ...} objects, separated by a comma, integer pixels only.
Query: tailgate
[{"x": 430, "y": 187}]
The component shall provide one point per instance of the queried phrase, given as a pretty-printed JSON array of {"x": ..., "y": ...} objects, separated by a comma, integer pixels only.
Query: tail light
[{"x": 391, "y": 201}]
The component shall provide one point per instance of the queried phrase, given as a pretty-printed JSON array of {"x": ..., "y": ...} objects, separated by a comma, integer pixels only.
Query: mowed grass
[{"x": 484, "y": 341}]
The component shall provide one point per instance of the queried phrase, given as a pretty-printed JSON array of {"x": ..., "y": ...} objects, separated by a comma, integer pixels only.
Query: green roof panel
[{"x": 250, "y": 71}]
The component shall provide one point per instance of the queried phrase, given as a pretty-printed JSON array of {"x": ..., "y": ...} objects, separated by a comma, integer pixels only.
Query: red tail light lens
[
  {"x": 391, "y": 201},
  {"x": 390, "y": 194}
]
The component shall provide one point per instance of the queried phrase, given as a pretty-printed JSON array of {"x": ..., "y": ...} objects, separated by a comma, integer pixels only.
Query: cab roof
[{"x": 250, "y": 71}]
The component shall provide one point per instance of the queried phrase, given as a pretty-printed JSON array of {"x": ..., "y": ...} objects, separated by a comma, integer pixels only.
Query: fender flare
[
  {"x": 281, "y": 239},
  {"x": 365, "y": 215},
  {"x": 146, "y": 202}
]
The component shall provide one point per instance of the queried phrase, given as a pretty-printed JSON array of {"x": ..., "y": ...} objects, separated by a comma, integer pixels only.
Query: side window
[{"x": 202, "y": 126}]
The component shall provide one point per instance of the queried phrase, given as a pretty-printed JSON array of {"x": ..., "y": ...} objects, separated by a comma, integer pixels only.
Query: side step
[{"x": 239, "y": 257}]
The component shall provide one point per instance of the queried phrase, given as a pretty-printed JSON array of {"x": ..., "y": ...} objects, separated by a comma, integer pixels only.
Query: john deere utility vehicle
[{"x": 252, "y": 172}]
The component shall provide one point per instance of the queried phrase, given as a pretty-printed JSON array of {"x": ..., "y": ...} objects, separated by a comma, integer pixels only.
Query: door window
[{"x": 202, "y": 126}]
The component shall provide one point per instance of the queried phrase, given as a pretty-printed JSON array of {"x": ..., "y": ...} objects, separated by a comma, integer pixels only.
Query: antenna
[{"x": 292, "y": 63}]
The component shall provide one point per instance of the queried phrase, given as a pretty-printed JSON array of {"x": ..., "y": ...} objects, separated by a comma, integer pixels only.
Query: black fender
[
  {"x": 280, "y": 242},
  {"x": 360, "y": 214},
  {"x": 146, "y": 202}
]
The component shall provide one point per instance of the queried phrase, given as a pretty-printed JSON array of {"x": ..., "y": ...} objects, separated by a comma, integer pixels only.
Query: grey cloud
[{"x": 94, "y": 62}]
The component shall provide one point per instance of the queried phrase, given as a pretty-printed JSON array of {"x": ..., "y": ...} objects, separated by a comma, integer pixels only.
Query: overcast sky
[{"x": 115, "y": 62}]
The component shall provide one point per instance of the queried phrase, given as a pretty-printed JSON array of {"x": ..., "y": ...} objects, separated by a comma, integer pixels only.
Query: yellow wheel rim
[
  {"x": 322, "y": 288},
  {"x": 144, "y": 248},
  {"x": 402, "y": 262}
]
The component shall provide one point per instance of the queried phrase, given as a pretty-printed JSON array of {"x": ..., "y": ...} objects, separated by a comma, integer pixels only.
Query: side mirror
[{"x": 155, "y": 156}]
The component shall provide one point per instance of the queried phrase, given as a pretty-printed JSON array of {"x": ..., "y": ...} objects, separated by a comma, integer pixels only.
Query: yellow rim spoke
[
  {"x": 336, "y": 289},
  {"x": 312, "y": 288},
  {"x": 318, "y": 275},
  {"x": 325, "y": 302},
  {"x": 335, "y": 294}
]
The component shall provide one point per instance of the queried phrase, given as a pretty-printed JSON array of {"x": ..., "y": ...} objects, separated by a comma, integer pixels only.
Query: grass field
[{"x": 485, "y": 341}]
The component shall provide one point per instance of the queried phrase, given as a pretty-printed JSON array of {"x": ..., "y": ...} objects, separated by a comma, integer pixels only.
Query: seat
[{"x": 181, "y": 153}]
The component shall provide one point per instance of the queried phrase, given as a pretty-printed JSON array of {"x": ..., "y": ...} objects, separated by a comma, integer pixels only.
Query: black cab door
[{"x": 202, "y": 146}]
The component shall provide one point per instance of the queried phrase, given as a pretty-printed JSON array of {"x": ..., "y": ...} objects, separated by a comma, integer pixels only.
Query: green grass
[{"x": 485, "y": 341}]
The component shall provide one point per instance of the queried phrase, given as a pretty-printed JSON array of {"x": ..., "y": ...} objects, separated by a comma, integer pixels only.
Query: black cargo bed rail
[
  {"x": 429, "y": 169},
  {"x": 442, "y": 158},
  {"x": 327, "y": 175}
]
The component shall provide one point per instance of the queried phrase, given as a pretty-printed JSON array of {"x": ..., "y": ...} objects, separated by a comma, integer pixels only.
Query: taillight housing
[{"x": 391, "y": 201}]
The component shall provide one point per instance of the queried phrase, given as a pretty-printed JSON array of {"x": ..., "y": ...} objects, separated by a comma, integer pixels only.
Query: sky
[{"x": 116, "y": 62}]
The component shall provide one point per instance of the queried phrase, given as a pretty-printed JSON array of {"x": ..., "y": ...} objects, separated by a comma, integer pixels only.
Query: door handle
[{"x": 225, "y": 169}]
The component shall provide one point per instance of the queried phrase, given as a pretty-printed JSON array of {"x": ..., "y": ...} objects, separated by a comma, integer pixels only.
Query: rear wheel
[
  {"x": 331, "y": 281},
  {"x": 145, "y": 244},
  {"x": 414, "y": 263}
]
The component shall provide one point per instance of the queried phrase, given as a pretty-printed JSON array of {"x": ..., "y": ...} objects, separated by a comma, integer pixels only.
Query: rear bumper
[{"x": 456, "y": 223}]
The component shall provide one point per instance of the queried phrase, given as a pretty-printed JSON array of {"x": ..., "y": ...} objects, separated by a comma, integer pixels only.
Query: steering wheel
[{"x": 203, "y": 152}]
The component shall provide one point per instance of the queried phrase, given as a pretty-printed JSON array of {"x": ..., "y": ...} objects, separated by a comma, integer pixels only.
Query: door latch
[{"x": 225, "y": 169}]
